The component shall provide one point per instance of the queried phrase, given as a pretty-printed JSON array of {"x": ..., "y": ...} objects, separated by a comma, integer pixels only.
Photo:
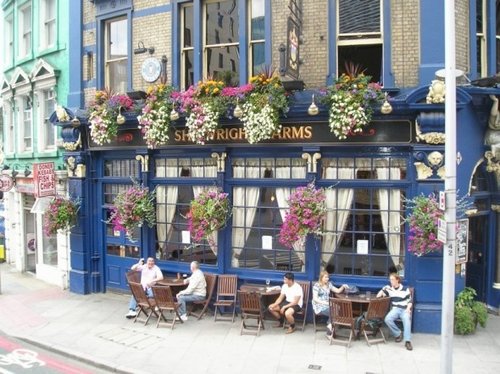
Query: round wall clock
[{"x": 151, "y": 69}]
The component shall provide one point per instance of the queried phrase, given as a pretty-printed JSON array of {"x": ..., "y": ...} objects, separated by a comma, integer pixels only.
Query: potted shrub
[{"x": 469, "y": 312}]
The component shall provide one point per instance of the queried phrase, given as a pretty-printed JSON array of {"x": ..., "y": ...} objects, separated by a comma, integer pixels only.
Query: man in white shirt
[
  {"x": 150, "y": 274},
  {"x": 289, "y": 301},
  {"x": 195, "y": 291}
]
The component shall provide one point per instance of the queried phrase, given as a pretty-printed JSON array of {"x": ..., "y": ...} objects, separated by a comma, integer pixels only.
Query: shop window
[
  {"x": 359, "y": 36},
  {"x": 49, "y": 249},
  {"x": 47, "y": 24},
  {"x": 25, "y": 34},
  {"x": 258, "y": 213},
  {"x": 173, "y": 242},
  {"x": 123, "y": 250},
  {"x": 116, "y": 54},
  {"x": 363, "y": 228}
]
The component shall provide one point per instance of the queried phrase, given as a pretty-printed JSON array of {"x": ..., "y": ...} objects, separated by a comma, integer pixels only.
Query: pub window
[
  {"x": 125, "y": 168},
  {"x": 363, "y": 228},
  {"x": 116, "y": 54},
  {"x": 481, "y": 52},
  {"x": 257, "y": 36},
  {"x": 173, "y": 242},
  {"x": 258, "y": 212},
  {"x": 187, "y": 50},
  {"x": 221, "y": 37},
  {"x": 359, "y": 36}
]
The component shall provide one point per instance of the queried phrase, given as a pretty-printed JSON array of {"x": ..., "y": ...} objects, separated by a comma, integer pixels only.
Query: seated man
[
  {"x": 150, "y": 274},
  {"x": 401, "y": 304},
  {"x": 196, "y": 290},
  {"x": 288, "y": 302}
]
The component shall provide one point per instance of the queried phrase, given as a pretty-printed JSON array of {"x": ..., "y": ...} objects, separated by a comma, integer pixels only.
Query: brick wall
[{"x": 462, "y": 35}]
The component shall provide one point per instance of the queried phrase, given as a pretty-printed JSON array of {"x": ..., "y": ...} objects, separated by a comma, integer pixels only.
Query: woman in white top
[{"x": 321, "y": 296}]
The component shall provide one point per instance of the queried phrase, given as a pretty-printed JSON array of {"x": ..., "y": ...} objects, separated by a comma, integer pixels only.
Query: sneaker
[
  {"x": 290, "y": 330},
  {"x": 329, "y": 332},
  {"x": 409, "y": 346},
  {"x": 184, "y": 317},
  {"x": 131, "y": 314},
  {"x": 399, "y": 338}
]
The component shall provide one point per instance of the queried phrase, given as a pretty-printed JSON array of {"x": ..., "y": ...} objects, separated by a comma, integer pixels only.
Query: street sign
[
  {"x": 462, "y": 241},
  {"x": 44, "y": 178},
  {"x": 442, "y": 230},
  {"x": 442, "y": 200}
]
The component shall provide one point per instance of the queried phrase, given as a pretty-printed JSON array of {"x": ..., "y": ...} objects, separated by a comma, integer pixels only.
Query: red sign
[{"x": 45, "y": 179}]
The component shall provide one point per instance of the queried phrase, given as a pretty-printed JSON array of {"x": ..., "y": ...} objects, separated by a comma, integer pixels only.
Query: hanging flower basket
[
  {"x": 305, "y": 215},
  {"x": 350, "y": 101},
  {"x": 60, "y": 215},
  {"x": 132, "y": 208},
  {"x": 423, "y": 221},
  {"x": 154, "y": 121},
  {"x": 106, "y": 115},
  {"x": 209, "y": 213}
]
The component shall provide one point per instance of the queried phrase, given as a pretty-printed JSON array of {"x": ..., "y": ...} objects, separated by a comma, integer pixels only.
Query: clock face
[{"x": 151, "y": 69}]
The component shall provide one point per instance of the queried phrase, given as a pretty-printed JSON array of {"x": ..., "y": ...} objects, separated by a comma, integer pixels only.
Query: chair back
[
  {"x": 341, "y": 311},
  {"x": 378, "y": 308},
  {"x": 306, "y": 286},
  {"x": 133, "y": 276},
  {"x": 227, "y": 287},
  {"x": 163, "y": 297},
  {"x": 211, "y": 279},
  {"x": 138, "y": 293},
  {"x": 250, "y": 302}
]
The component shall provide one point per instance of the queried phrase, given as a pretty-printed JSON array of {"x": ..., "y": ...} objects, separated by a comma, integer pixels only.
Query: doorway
[{"x": 478, "y": 252}]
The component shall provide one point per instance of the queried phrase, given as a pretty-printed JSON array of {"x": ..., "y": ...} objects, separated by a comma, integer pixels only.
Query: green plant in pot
[{"x": 469, "y": 312}]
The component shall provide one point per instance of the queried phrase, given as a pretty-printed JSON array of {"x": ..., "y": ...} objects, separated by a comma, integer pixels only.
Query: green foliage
[{"x": 469, "y": 312}]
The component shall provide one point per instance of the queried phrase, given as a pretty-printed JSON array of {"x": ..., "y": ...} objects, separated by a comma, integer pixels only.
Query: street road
[{"x": 20, "y": 357}]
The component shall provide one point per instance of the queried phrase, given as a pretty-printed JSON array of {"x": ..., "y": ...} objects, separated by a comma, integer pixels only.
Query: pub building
[{"x": 368, "y": 177}]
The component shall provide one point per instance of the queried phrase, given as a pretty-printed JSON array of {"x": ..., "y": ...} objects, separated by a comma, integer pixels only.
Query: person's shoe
[
  {"x": 279, "y": 325},
  {"x": 184, "y": 317},
  {"x": 409, "y": 346},
  {"x": 290, "y": 330},
  {"x": 329, "y": 332},
  {"x": 131, "y": 314},
  {"x": 399, "y": 338}
]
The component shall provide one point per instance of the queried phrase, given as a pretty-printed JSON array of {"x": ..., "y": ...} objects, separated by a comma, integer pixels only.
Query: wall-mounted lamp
[
  {"x": 27, "y": 171},
  {"x": 141, "y": 49},
  {"x": 313, "y": 108},
  {"x": 386, "y": 107},
  {"x": 14, "y": 173},
  {"x": 6, "y": 167}
]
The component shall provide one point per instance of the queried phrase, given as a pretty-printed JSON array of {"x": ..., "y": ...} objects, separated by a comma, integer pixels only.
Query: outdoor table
[
  {"x": 176, "y": 284},
  {"x": 268, "y": 295},
  {"x": 359, "y": 302}
]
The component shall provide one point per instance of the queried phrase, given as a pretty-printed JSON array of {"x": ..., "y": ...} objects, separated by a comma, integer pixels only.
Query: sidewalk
[{"x": 94, "y": 329}]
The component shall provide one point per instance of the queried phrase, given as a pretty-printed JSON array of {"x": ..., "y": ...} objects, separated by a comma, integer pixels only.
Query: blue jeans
[
  {"x": 326, "y": 313},
  {"x": 390, "y": 321},
  {"x": 132, "y": 305},
  {"x": 183, "y": 299}
]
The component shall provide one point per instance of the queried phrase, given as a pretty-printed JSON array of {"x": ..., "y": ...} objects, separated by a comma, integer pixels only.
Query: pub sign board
[
  {"x": 44, "y": 178},
  {"x": 390, "y": 132}
]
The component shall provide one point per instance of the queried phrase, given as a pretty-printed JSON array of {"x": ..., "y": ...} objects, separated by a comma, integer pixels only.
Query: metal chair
[
  {"x": 341, "y": 317},
  {"x": 165, "y": 302},
  {"x": 251, "y": 308},
  {"x": 374, "y": 319},
  {"x": 211, "y": 279},
  {"x": 227, "y": 291}
]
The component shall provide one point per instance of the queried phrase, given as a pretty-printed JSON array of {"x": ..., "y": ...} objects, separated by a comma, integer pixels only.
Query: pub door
[{"x": 476, "y": 270}]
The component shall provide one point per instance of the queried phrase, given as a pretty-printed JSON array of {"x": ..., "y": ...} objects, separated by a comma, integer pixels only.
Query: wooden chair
[
  {"x": 145, "y": 304},
  {"x": 374, "y": 320},
  {"x": 341, "y": 317},
  {"x": 302, "y": 314},
  {"x": 251, "y": 308},
  {"x": 227, "y": 291},
  {"x": 165, "y": 302},
  {"x": 211, "y": 279},
  {"x": 133, "y": 276},
  {"x": 316, "y": 319}
]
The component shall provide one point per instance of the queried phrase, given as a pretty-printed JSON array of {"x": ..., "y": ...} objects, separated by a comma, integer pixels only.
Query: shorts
[{"x": 295, "y": 308}]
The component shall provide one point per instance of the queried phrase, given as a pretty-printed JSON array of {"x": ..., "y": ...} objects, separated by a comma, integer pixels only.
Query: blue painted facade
[{"x": 93, "y": 270}]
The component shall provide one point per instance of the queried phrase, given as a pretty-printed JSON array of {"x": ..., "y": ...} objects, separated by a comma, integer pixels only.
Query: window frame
[
  {"x": 46, "y": 24},
  {"x": 23, "y": 49},
  {"x": 43, "y": 116},
  {"x": 25, "y": 113},
  {"x": 253, "y": 42},
  {"x": 106, "y": 49},
  {"x": 9, "y": 125},
  {"x": 9, "y": 40}
]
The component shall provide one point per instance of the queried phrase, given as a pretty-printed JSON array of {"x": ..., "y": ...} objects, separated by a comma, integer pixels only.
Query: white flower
[
  {"x": 154, "y": 125},
  {"x": 259, "y": 123},
  {"x": 202, "y": 123}
]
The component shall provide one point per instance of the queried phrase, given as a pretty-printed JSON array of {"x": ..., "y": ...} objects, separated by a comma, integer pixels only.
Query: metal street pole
[{"x": 450, "y": 186}]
